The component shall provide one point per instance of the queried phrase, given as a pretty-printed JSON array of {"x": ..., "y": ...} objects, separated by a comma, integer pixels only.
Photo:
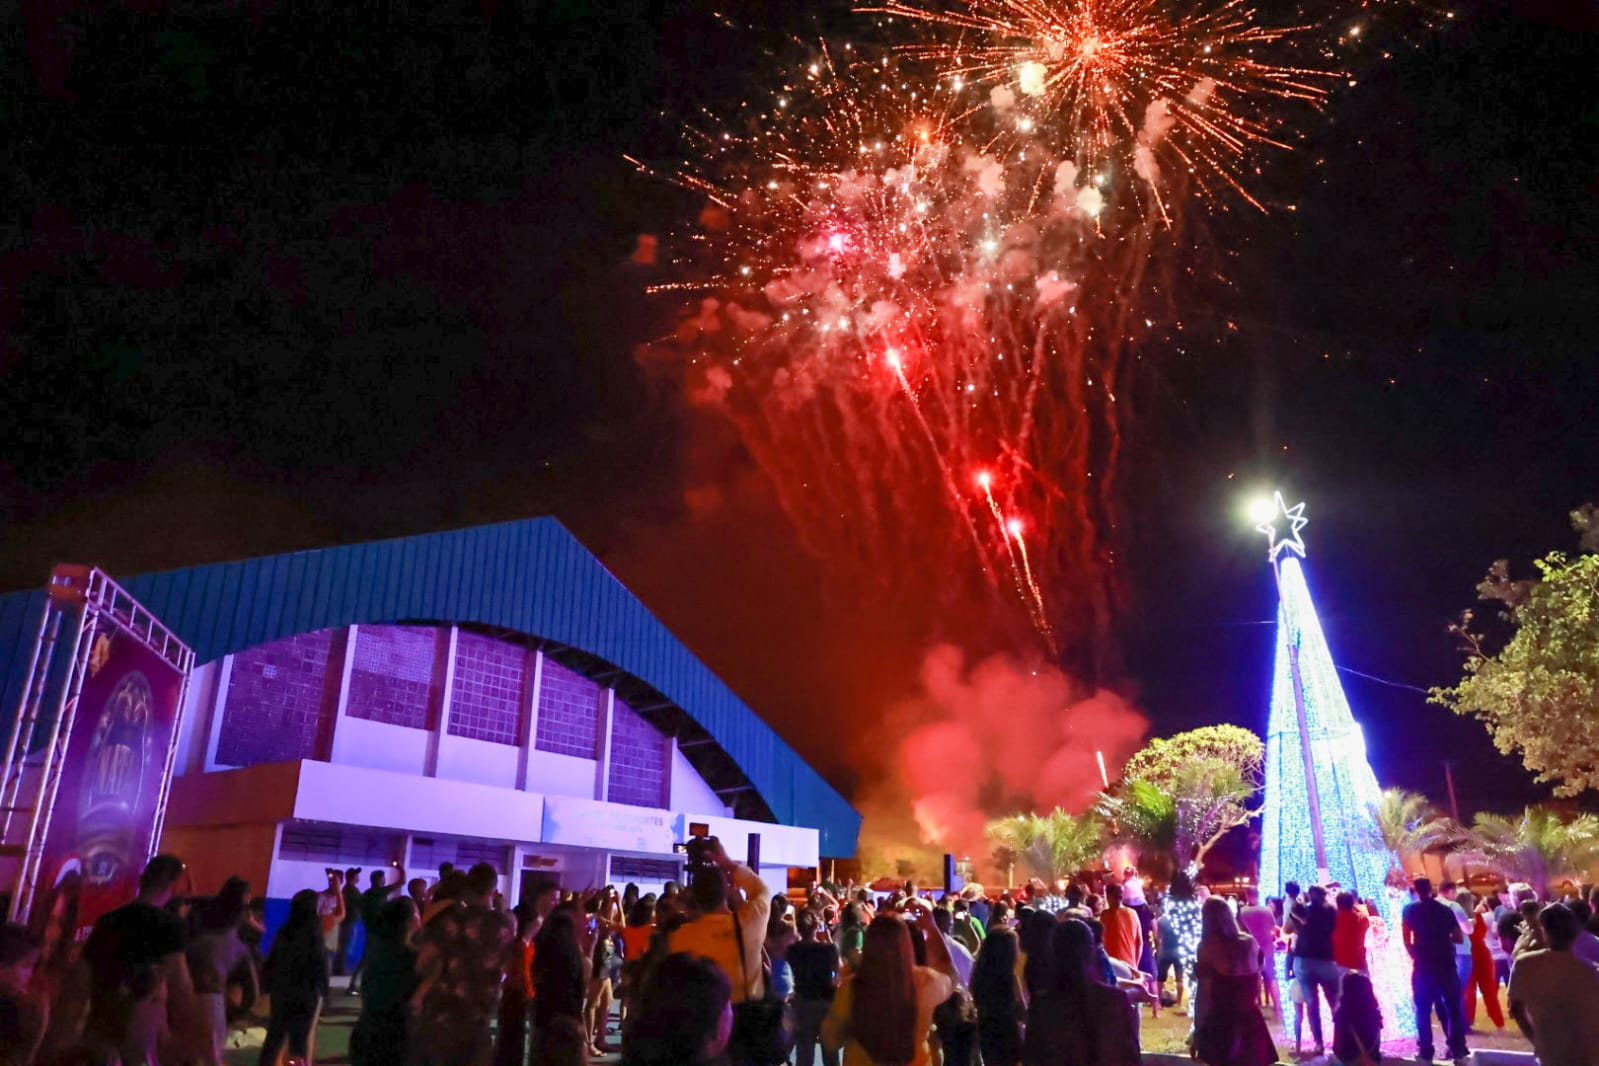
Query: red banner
[{"x": 105, "y": 810}]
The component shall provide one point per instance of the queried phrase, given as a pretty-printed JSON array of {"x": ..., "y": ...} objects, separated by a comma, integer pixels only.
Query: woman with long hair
[
  {"x": 781, "y": 934},
  {"x": 997, "y": 991},
  {"x": 1357, "y": 1022},
  {"x": 1034, "y": 928},
  {"x": 296, "y": 976},
  {"x": 883, "y": 1012},
  {"x": 560, "y": 971},
  {"x": 1229, "y": 1029},
  {"x": 1073, "y": 1019},
  {"x": 215, "y": 953},
  {"x": 683, "y": 1016}
]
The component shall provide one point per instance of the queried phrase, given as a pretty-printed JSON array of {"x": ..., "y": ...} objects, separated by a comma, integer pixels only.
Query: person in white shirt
[
  {"x": 1447, "y": 893},
  {"x": 1134, "y": 899},
  {"x": 959, "y": 954}
]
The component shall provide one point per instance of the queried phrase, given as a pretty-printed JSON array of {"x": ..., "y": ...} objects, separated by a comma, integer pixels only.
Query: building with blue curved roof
[{"x": 484, "y": 694}]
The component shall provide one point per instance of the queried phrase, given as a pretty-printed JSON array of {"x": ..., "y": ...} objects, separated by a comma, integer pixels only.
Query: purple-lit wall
[
  {"x": 281, "y": 703},
  {"x": 392, "y": 679},
  {"x": 290, "y": 695},
  {"x": 638, "y": 760},
  {"x": 569, "y": 712},
  {"x": 486, "y": 701}
]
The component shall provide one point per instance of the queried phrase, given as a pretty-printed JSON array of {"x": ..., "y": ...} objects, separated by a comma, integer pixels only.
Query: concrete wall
[
  {"x": 689, "y": 790},
  {"x": 215, "y": 853},
  {"x": 561, "y": 775},
  {"x": 487, "y": 763},
  {"x": 382, "y": 747},
  {"x": 349, "y": 795}
]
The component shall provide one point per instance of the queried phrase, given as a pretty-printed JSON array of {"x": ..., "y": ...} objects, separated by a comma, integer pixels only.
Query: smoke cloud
[{"x": 990, "y": 738}]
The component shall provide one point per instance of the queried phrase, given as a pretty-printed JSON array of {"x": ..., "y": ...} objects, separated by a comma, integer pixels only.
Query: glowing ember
[{"x": 998, "y": 197}]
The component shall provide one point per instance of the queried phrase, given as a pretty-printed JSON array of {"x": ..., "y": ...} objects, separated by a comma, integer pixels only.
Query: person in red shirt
[
  {"x": 1483, "y": 975},
  {"x": 516, "y": 997},
  {"x": 1349, "y": 934},
  {"x": 636, "y": 937}
]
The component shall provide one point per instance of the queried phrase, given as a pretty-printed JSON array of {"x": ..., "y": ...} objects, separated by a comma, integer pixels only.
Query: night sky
[{"x": 273, "y": 278}]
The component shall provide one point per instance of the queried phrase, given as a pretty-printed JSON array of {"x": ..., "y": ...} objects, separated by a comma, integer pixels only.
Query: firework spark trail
[
  {"x": 1014, "y": 527},
  {"x": 1128, "y": 73},
  {"x": 896, "y": 362},
  {"x": 999, "y": 192},
  {"x": 985, "y": 481}
]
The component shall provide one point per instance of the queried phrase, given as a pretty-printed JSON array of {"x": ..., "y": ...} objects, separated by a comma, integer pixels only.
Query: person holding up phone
[{"x": 713, "y": 932}]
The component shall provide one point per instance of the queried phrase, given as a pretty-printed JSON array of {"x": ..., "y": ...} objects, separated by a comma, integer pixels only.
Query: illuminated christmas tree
[{"x": 1319, "y": 825}]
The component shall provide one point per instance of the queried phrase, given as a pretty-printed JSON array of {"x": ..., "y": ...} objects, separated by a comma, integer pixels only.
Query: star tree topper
[{"x": 1282, "y": 528}]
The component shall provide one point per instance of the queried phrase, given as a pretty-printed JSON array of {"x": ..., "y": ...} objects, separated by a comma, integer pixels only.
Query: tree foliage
[
  {"x": 1054, "y": 846},
  {"x": 1141, "y": 813},
  {"x": 1538, "y": 847},
  {"x": 1411, "y": 826},
  {"x": 1538, "y": 695},
  {"x": 1163, "y": 760},
  {"x": 1208, "y": 778}
]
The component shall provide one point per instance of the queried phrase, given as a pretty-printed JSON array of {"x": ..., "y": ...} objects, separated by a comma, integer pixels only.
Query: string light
[{"x": 1357, "y": 858}]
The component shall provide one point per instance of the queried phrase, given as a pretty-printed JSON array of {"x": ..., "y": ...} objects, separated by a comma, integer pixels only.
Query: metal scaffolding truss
[{"x": 82, "y": 603}]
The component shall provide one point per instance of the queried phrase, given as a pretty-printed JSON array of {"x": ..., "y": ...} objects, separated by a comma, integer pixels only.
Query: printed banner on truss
[{"x": 113, "y": 775}]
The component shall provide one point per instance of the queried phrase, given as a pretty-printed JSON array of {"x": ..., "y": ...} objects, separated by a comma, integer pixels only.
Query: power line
[{"x": 1384, "y": 680}]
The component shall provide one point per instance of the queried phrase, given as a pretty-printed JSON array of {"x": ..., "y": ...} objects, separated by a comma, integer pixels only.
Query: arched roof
[{"x": 527, "y": 577}]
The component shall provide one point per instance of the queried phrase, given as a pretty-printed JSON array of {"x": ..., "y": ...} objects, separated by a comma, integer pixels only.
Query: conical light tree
[{"x": 1320, "y": 823}]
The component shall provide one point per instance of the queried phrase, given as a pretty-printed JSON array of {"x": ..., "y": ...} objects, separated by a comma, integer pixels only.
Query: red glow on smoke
[{"x": 991, "y": 738}]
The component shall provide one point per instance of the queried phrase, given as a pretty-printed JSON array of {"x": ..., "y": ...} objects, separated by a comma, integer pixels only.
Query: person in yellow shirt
[
  {"x": 714, "y": 931},
  {"x": 883, "y": 1012}
]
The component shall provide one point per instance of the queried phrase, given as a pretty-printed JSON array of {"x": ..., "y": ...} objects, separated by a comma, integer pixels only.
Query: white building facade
[{"x": 414, "y": 745}]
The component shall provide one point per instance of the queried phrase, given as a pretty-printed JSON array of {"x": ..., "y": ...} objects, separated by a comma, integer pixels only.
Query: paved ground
[
  {"x": 1166, "y": 1034},
  {"x": 333, "y": 1034},
  {"x": 1169, "y": 1034}
]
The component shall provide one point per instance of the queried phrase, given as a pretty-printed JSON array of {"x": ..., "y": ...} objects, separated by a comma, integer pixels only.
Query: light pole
[{"x": 1282, "y": 524}]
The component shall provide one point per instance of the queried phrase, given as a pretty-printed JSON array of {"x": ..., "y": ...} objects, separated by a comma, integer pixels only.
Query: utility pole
[
  {"x": 1454, "y": 810},
  {"x": 1277, "y": 542}
]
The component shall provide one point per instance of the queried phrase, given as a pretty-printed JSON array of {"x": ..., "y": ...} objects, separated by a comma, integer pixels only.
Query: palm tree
[
  {"x": 1537, "y": 847},
  {"x": 1141, "y": 814},
  {"x": 1411, "y": 827},
  {"x": 1010, "y": 836},
  {"x": 1054, "y": 845}
]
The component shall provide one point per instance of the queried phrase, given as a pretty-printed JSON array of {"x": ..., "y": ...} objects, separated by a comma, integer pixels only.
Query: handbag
[{"x": 763, "y": 1030}]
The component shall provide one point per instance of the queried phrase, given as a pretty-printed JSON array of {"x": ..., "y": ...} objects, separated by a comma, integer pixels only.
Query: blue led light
[{"x": 1357, "y": 859}]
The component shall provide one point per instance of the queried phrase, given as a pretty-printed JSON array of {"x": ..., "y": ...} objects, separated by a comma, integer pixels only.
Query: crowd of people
[{"x": 721, "y": 970}]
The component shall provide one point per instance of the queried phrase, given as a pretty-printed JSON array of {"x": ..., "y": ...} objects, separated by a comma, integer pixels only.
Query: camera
[{"x": 700, "y": 848}]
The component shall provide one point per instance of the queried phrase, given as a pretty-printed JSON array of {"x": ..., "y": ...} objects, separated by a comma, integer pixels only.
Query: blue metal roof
[{"x": 531, "y": 576}]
